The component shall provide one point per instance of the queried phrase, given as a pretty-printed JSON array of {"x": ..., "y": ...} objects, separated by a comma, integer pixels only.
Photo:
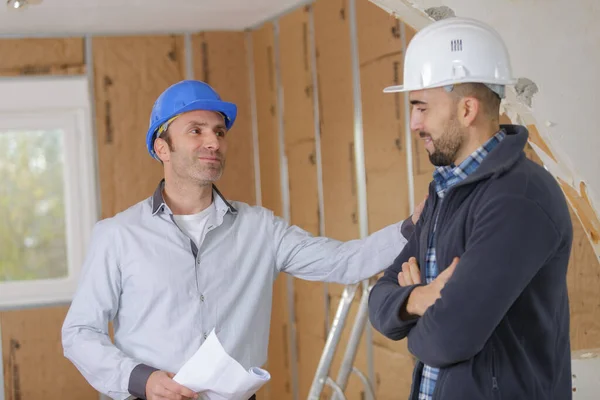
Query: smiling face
[
  {"x": 194, "y": 147},
  {"x": 434, "y": 117}
]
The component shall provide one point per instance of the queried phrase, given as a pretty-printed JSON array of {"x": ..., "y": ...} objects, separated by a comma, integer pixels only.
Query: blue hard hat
[{"x": 184, "y": 96}]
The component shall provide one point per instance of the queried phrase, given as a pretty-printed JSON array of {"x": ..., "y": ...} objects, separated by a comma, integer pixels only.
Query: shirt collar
[
  {"x": 447, "y": 175},
  {"x": 159, "y": 204}
]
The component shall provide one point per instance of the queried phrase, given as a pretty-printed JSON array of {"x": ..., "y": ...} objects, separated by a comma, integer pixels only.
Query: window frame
[{"x": 63, "y": 103}]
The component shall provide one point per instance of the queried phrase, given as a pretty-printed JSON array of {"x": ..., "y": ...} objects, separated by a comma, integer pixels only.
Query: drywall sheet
[
  {"x": 60, "y": 56},
  {"x": 130, "y": 73},
  {"x": 299, "y": 130},
  {"x": 380, "y": 54},
  {"x": 336, "y": 109},
  {"x": 279, "y": 359},
  {"x": 33, "y": 361},
  {"x": 220, "y": 60}
]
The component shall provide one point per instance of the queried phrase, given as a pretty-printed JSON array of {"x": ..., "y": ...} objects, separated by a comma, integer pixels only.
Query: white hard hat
[{"x": 455, "y": 50}]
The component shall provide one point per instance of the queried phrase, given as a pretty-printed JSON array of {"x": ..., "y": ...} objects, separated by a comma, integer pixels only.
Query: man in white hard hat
[
  {"x": 185, "y": 262},
  {"x": 487, "y": 315}
]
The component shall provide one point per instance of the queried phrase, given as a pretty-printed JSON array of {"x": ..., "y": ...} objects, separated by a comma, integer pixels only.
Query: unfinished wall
[
  {"x": 388, "y": 166},
  {"x": 220, "y": 60},
  {"x": 265, "y": 85},
  {"x": 31, "y": 337},
  {"x": 129, "y": 74}
]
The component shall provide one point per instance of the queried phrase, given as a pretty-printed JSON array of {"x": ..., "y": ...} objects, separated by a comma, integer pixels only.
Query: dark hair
[{"x": 488, "y": 98}]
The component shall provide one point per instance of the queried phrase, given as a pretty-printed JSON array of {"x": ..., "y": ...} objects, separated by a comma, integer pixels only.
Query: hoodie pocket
[{"x": 495, "y": 387}]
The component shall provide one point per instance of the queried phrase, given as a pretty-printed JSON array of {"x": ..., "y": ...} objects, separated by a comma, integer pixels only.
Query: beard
[
  {"x": 447, "y": 146},
  {"x": 190, "y": 167}
]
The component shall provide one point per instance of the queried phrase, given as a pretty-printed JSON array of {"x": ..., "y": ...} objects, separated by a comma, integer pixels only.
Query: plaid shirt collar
[{"x": 447, "y": 176}]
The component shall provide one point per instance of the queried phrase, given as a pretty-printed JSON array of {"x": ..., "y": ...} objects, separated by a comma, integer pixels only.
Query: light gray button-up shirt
[{"x": 164, "y": 294}]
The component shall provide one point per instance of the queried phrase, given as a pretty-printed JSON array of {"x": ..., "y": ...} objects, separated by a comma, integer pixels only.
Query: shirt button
[
  {"x": 198, "y": 261},
  {"x": 205, "y": 335},
  {"x": 202, "y": 298}
]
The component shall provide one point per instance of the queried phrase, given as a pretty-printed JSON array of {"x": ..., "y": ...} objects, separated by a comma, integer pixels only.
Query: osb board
[
  {"x": 130, "y": 73},
  {"x": 57, "y": 56},
  {"x": 309, "y": 353},
  {"x": 422, "y": 168},
  {"x": 336, "y": 108},
  {"x": 33, "y": 361},
  {"x": 220, "y": 59},
  {"x": 266, "y": 105},
  {"x": 383, "y": 116}
]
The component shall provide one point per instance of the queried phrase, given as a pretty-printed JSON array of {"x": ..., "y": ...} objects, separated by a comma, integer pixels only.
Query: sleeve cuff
[
  {"x": 138, "y": 378},
  {"x": 408, "y": 228}
]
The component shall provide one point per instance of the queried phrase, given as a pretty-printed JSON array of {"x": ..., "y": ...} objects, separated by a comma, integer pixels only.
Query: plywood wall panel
[
  {"x": 130, "y": 73},
  {"x": 33, "y": 361},
  {"x": 380, "y": 57},
  {"x": 220, "y": 60},
  {"x": 57, "y": 56},
  {"x": 279, "y": 361}
]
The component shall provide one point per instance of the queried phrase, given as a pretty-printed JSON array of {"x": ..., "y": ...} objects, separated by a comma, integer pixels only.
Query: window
[{"x": 47, "y": 188}]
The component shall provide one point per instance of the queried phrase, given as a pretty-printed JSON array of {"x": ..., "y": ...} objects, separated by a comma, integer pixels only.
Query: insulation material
[
  {"x": 310, "y": 348},
  {"x": 31, "y": 338},
  {"x": 33, "y": 362},
  {"x": 266, "y": 107},
  {"x": 279, "y": 362},
  {"x": 393, "y": 373},
  {"x": 422, "y": 168},
  {"x": 220, "y": 60},
  {"x": 332, "y": 37},
  {"x": 354, "y": 389},
  {"x": 298, "y": 126},
  {"x": 384, "y": 117},
  {"x": 130, "y": 74},
  {"x": 60, "y": 56},
  {"x": 582, "y": 278}
]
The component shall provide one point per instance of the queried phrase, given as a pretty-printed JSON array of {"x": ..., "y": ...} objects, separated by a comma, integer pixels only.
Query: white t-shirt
[{"x": 193, "y": 225}]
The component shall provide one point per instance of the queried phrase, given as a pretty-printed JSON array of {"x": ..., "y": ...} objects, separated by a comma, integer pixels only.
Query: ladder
[{"x": 322, "y": 377}]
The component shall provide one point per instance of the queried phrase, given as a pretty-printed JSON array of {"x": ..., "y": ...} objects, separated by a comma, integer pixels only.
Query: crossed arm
[{"x": 449, "y": 320}]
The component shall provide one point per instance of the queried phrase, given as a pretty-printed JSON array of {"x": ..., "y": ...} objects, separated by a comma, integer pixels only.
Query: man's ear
[
  {"x": 468, "y": 109},
  {"x": 161, "y": 148}
]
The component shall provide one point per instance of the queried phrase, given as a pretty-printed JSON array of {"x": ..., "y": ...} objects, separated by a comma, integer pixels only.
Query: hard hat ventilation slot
[{"x": 456, "y": 45}]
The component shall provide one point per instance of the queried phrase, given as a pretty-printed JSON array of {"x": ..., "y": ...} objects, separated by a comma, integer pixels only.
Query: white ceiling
[{"x": 60, "y": 17}]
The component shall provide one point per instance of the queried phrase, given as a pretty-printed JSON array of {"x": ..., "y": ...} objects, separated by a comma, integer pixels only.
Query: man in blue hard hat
[{"x": 185, "y": 261}]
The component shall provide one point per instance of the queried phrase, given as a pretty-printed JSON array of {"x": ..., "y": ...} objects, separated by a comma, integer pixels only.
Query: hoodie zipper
[{"x": 495, "y": 387}]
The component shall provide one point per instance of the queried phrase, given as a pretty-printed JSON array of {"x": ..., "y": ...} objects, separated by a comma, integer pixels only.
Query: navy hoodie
[{"x": 501, "y": 327}]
